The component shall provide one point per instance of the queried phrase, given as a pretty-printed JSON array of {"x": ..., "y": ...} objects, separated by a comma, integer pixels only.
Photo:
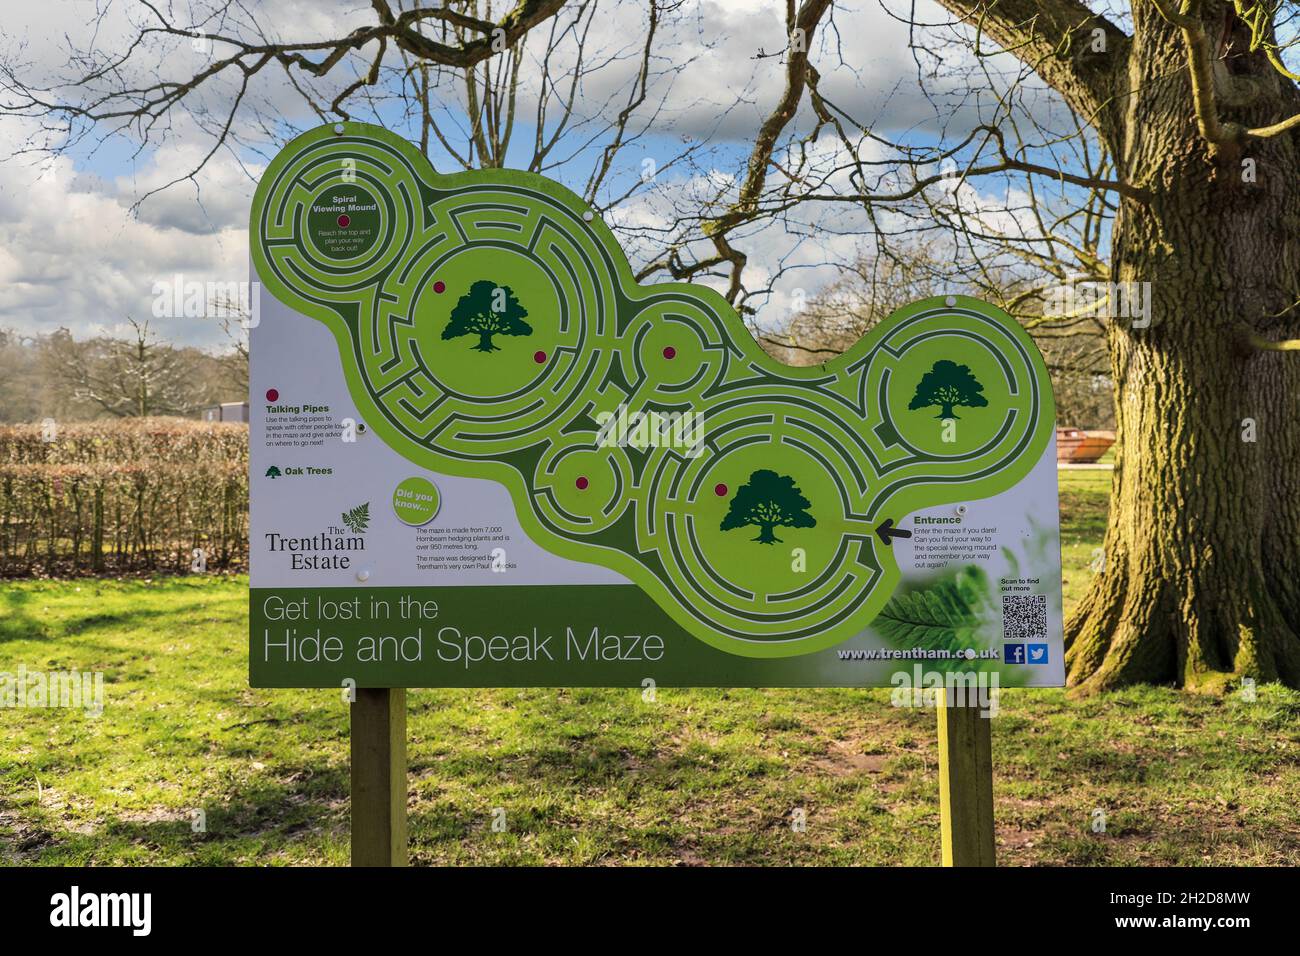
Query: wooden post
[
  {"x": 965, "y": 785},
  {"x": 379, "y": 777}
]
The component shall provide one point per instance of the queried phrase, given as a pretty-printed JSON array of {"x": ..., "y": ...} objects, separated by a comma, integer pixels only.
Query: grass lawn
[
  {"x": 699, "y": 777},
  {"x": 1085, "y": 500}
]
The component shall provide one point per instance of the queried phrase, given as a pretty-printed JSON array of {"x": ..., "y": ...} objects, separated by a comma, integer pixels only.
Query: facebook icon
[{"x": 1013, "y": 653}]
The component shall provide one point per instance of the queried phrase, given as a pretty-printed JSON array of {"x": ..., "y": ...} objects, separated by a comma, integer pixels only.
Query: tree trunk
[
  {"x": 1201, "y": 577},
  {"x": 97, "y": 534}
]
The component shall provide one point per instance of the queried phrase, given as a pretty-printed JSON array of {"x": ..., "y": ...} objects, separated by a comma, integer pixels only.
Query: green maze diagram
[{"x": 489, "y": 326}]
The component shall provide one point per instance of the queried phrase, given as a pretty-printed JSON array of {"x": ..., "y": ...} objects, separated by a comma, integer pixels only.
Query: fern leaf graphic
[
  {"x": 953, "y": 613},
  {"x": 358, "y": 518}
]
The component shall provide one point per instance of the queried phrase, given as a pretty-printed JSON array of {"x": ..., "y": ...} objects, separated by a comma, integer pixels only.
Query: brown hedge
[{"x": 132, "y": 495}]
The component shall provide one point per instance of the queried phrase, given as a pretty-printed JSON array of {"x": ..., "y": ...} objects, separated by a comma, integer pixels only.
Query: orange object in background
[{"x": 1077, "y": 446}]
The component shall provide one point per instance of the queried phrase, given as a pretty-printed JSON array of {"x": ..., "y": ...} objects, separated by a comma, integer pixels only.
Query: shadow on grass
[
  {"x": 17, "y": 623},
  {"x": 20, "y": 623},
  {"x": 251, "y": 824}
]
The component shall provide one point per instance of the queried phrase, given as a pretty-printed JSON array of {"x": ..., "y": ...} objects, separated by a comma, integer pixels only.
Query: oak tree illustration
[
  {"x": 948, "y": 384},
  {"x": 487, "y": 309},
  {"x": 768, "y": 501}
]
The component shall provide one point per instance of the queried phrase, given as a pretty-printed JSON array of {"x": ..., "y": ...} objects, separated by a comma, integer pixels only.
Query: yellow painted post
[
  {"x": 965, "y": 784},
  {"x": 379, "y": 777}
]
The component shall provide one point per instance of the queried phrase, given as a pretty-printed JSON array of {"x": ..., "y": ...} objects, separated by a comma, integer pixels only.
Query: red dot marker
[
  {"x": 539, "y": 358},
  {"x": 720, "y": 490},
  {"x": 670, "y": 352},
  {"x": 440, "y": 287},
  {"x": 272, "y": 394},
  {"x": 344, "y": 220},
  {"x": 582, "y": 483}
]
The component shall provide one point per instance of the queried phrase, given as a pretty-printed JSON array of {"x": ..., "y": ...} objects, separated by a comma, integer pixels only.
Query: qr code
[{"x": 1024, "y": 617}]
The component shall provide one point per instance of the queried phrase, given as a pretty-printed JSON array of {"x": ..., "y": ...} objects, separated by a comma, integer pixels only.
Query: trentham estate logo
[{"x": 328, "y": 550}]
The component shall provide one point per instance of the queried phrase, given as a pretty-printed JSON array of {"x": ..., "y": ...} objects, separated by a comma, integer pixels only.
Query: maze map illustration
[{"x": 489, "y": 326}]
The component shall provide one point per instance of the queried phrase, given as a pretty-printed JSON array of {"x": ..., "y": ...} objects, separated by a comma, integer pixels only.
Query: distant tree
[
  {"x": 767, "y": 501},
  {"x": 134, "y": 376},
  {"x": 235, "y": 319},
  {"x": 948, "y": 384},
  {"x": 487, "y": 309},
  {"x": 24, "y": 396}
]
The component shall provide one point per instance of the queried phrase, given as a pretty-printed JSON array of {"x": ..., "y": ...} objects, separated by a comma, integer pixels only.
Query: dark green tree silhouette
[
  {"x": 273, "y": 472},
  {"x": 358, "y": 518},
  {"x": 767, "y": 501},
  {"x": 487, "y": 309},
  {"x": 948, "y": 384}
]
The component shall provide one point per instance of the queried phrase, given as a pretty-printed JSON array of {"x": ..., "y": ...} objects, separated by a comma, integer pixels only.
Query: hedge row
[
  {"x": 144, "y": 494},
  {"x": 123, "y": 441}
]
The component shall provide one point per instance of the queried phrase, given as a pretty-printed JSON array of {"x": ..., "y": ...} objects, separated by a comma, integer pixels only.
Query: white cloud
[{"x": 76, "y": 255}]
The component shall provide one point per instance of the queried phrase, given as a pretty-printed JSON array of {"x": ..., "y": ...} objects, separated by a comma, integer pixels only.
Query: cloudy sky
[{"x": 83, "y": 251}]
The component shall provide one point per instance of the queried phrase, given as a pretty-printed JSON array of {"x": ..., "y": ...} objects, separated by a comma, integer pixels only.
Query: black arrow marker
[{"x": 888, "y": 532}]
